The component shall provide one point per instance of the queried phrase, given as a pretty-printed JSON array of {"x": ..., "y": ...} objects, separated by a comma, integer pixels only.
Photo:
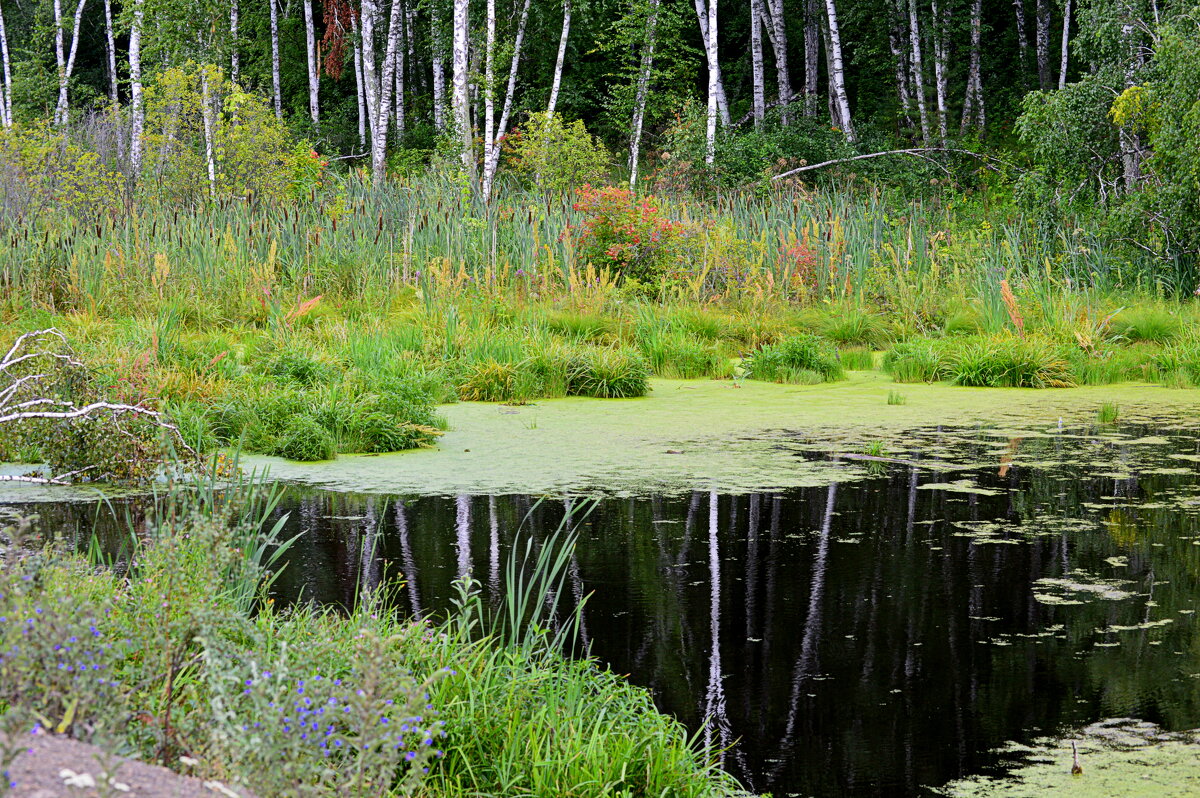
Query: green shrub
[
  {"x": 628, "y": 236},
  {"x": 795, "y": 359},
  {"x": 920, "y": 360},
  {"x": 306, "y": 440},
  {"x": 1011, "y": 363},
  {"x": 607, "y": 373},
  {"x": 300, "y": 369},
  {"x": 557, "y": 156}
]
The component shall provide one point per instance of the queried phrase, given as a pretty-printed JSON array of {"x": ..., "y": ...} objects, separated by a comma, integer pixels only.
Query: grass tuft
[{"x": 796, "y": 360}]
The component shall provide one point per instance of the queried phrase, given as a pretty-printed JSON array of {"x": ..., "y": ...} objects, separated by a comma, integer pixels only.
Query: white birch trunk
[
  {"x": 439, "y": 70},
  {"x": 206, "y": 114},
  {"x": 1022, "y": 38},
  {"x": 898, "y": 43},
  {"x": 773, "y": 19},
  {"x": 1130, "y": 143},
  {"x": 837, "y": 72},
  {"x": 370, "y": 73},
  {"x": 918, "y": 68},
  {"x": 973, "y": 113},
  {"x": 401, "y": 67},
  {"x": 492, "y": 156},
  {"x": 756, "y": 63},
  {"x": 6, "y": 74},
  {"x": 714, "y": 82},
  {"x": 556, "y": 83},
  {"x": 66, "y": 65},
  {"x": 234, "y": 65},
  {"x": 702, "y": 15},
  {"x": 489, "y": 84},
  {"x": 314, "y": 82},
  {"x": 941, "y": 19},
  {"x": 1042, "y": 41},
  {"x": 460, "y": 98},
  {"x": 359, "y": 83},
  {"x": 110, "y": 52},
  {"x": 387, "y": 84},
  {"x": 643, "y": 91},
  {"x": 1066, "y": 41},
  {"x": 812, "y": 57},
  {"x": 275, "y": 79},
  {"x": 137, "y": 113}
]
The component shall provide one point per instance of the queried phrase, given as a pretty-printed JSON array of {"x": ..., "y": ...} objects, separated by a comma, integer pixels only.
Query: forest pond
[{"x": 879, "y": 635}]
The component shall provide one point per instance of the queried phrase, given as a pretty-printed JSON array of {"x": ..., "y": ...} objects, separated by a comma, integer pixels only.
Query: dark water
[{"x": 875, "y": 637}]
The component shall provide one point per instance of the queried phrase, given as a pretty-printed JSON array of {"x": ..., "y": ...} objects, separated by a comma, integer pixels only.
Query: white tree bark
[
  {"x": 1022, "y": 38},
  {"x": 918, "y": 68},
  {"x": 359, "y": 83},
  {"x": 6, "y": 117},
  {"x": 1130, "y": 143},
  {"x": 66, "y": 65},
  {"x": 1066, "y": 41},
  {"x": 401, "y": 66},
  {"x": 460, "y": 99},
  {"x": 439, "y": 70},
  {"x": 206, "y": 114},
  {"x": 489, "y": 83},
  {"x": 314, "y": 69},
  {"x": 643, "y": 91},
  {"x": 137, "y": 113},
  {"x": 973, "y": 113},
  {"x": 756, "y": 63},
  {"x": 702, "y": 16},
  {"x": 771, "y": 12},
  {"x": 837, "y": 72},
  {"x": 714, "y": 83},
  {"x": 275, "y": 80},
  {"x": 110, "y": 52},
  {"x": 386, "y": 86},
  {"x": 812, "y": 56},
  {"x": 898, "y": 44},
  {"x": 492, "y": 155},
  {"x": 556, "y": 83},
  {"x": 941, "y": 19},
  {"x": 370, "y": 74},
  {"x": 234, "y": 64},
  {"x": 1042, "y": 41}
]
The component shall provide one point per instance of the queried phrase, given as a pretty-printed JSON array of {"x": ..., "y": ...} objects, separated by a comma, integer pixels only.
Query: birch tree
[
  {"x": 438, "y": 68},
  {"x": 837, "y": 72},
  {"x": 643, "y": 91},
  {"x": 1066, "y": 41},
  {"x": 704, "y": 11},
  {"x": 1042, "y": 41},
  {"x": 359, "y": 87},
  {"x": 234, "y": 64},
  {"x": 137, "y": 112},
  {"x": 65, "y": 59},
  {"x": 491, "y": 160},
  {"x": 6, "y": 117},
  {"x": 898, "y": 44},
  {"x": 973, "y": 113},
  {"x": 1022, "y": 39},
  {"x": 812, "y": 55},
  {"x": 941, "y": 20},
  {"x": 918, "y": 68},
  {"x": 379, "y": 84},
  {"x": 756, "y": 63},
  {"x": 714, "y": 83},
  {"x": 275, "y": 77},
  {"x": 773, "y": 22},
  {"x": 556, "y": 82},
  {"x": 314, "y": 81},
  {"x": 110, "y": 52},
  {"x": 460, "y": 98}
]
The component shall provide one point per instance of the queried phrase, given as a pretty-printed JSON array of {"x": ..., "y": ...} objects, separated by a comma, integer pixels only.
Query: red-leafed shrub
[{"x": 624, "y": 234}]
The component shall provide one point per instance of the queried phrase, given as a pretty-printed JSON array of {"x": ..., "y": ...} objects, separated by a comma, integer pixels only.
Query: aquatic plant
[
  {"x": 607, "y": 373},
  {"x": 857, "y": 359},
  {"x": 896, "y": 398},
  {"x": 1108, "y": 413},
  {"x": 918, "y": 360},
  {"x": 1007, "y": 362},
  {"x": 794, "y": 359},
  {"x": 1153, "y": 324}
]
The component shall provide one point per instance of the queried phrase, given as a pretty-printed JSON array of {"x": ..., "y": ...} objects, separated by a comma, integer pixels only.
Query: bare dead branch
[{"x": 919, "y": 152}]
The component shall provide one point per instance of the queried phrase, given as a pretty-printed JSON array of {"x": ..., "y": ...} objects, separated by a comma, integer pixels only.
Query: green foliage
[
  {"x": 1152, "y": 324},
  {"x": 1007, "y": 362},
  {"x": 631, "y": 238},
  {"x": 41, "y": 170},
  {"x": 556, "y": 156},
  {"x": 917, "y": 360},
  {"x": 795, "y": 359},
  {"x": 607, "y": 373},
  {"x": 306, "y": 440},
  {"x": 896, "y": 398}
]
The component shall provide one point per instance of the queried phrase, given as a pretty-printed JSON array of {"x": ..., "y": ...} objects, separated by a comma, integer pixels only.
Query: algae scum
[{"x": 950, "y": 608}]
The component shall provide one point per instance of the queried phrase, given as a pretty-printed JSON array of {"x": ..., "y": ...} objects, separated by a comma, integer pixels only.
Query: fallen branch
[{"x": 919, "y": 152}]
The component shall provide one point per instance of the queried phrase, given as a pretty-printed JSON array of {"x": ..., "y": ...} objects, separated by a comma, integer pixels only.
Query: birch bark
[
  {"x": 492, "y": 156},
  {"x": 1131, "y": 151},
  {"x": 837, "y": 72},
  {"x": 438, "y": 68},
  {"x": 234, "y": 65},
  {"x": 702, "y": 16},
  {"x": 460, "y": 99},
  {"x": 137, "y": 113},
  {"x": 5, "y": 73},
  {"x": 941, "y": 20},
  {"x": 973, "y": 114},
  {"x": 556, "y": 83},
  {"x": 66, "y": 65},
  {"x": 110, "y": 51},
  {"x": 714, "y": 83},
  {"x": 643, "y": 90},
  {"x": 275, "y": 80},
  {"x": 898, "y": 43},
  {"x": 206, "y": 115},
  {"x": 314, "y": 84},
  {"x": 777, "y": 35},
  {"x": 918, "y": 68},
  {"x": 386, "y": 86},
  {"x": 1066, "y": 41},
  {"x": 359, "y": 83},
  {"x": 1042, "y": 41},
  {"x": 1022, "y": 38},
  {"x": 756, "y": 63},
  {"x": 812, "y": 56},
  {"x": 489, "y": 83}
]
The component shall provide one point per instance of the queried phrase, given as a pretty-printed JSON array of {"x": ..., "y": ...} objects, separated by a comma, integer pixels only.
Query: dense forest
[{"x": 1088, "y": 106}]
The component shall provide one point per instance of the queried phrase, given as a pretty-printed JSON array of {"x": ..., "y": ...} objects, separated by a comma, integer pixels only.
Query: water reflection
[{"x": 865, "y": 638}]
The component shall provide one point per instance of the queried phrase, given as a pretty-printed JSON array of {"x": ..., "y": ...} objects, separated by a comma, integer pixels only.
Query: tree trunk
[
  {"x": 812, "y": 56},
  {"x": 460, "y": 99},
  {"x": 387, "y": 84},
  {"x": 369, "y": 10},
  {"x": 110, "y": 52},
  {"x": 556, "y": 83},
  {"x": 66, "y": 65},
  {"x": 702, "y": 15},
  {"x": 1042, "y": 36},
  {"x": 643, "y": 90},
  {"x": 837, "y": 72},
  {"x": 492, "y": 156},
  {"x": 714, "y": 83},
  {"x": 206, "y": 114},
  {"x": 898, "y": 43},
  {"x": 1066, "y": 41},
  {"x": 5, "y": 73},
  {"x": 918, "y": 68},
  {"x": 1022, "y": 39},
  {"x": 275, "y": 80},
  {"x": 489, "y": 84},
  {"x": 771, "y": 12},
  {"x": 359, "y": 83},
  {"x": 314, "y": 82},
  {"x": 438, "y": 69},
  {"x": 973, "y": 101},
  {"x": 941, "y": 21},
  {"x": 756, "y": 62},
  {"x": 137, "y": 113},
  {"x": 401, "y": 67},
  {"x": 1130, "y": 142},
  {"x": 234, "y": 70}
]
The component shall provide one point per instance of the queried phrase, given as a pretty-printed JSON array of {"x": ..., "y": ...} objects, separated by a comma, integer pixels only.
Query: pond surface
[{"x": 872, "y": 637}]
